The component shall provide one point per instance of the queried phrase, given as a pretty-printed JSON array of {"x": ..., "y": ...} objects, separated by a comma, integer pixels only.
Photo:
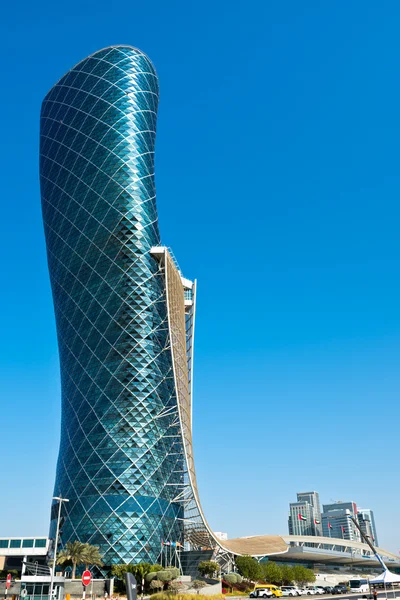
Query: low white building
[{"x": 221, "y": 535}]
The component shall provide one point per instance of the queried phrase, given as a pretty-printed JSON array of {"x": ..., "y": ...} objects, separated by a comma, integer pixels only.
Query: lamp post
[{"x": 53, "y": 566}]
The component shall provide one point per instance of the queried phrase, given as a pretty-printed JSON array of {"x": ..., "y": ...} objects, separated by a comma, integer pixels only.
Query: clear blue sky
[{"x": 278, "y": 188}]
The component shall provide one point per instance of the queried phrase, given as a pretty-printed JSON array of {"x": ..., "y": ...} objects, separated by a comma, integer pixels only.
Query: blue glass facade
[{"x": 121, "y": 458}]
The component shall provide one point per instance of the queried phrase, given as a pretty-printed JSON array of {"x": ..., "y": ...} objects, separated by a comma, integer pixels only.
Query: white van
[{"x": 290, "y": 590}]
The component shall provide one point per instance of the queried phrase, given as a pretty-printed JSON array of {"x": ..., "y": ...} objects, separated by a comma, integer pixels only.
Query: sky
[{"x": 278, "y": 182}]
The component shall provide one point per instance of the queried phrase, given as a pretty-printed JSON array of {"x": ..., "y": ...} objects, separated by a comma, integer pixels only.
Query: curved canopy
[
  {"x": 257, "y": 545},
  {"x": 386, "y": 577}
]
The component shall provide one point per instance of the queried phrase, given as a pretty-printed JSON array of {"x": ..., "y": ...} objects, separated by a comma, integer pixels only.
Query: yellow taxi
[{"x": 274, "y": 589}]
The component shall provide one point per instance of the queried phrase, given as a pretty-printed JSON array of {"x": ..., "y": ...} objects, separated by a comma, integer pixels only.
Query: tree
[
  {"x": 249, "y": 567},
  {"x": 74, "y": 554},
  {"x": 150, "y": 577},
  {"x": 175, "y": 571},
  {"x": 208, "y": 568},
  {"x": 287, "y": 575},
  {"x": 176, "y": 586},
  {"x": 233, "y": 577},
  {"x": 119, "y": 571},
  {"x": 302, "y": 576},
  {"x": 92, "y": 556},
  {"x": 144, "y": 572},
  {"x": 140, "y": 571},
  {"x": 165, "y": 575},
  {"x": 230, "y": 579},
  {"x": 272, "y": 573},
  {"x": 197, "y": 585},
  {"x": 156, "y": 584}
]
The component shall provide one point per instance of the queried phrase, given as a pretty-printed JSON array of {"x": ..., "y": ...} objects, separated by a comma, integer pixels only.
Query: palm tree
[
  {"x": 92, "y": 556},
  {"x": 74, "y": 553}
]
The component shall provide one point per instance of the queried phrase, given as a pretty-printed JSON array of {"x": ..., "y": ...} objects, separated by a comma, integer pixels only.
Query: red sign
[
  {"x": 86, "y": 577},
  {"x": 8, "y": 581}
]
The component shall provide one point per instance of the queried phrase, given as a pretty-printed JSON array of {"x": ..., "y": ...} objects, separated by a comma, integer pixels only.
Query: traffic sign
[
  {"x": 8, "y": 581},
  {"x": 86, "y": 577}
]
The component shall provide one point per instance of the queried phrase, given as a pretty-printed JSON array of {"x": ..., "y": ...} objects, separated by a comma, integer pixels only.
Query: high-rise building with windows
[
  {"x": 366, "y": 521},
  {"x": 337, "y": 523},
  {"x": 305, "y": 515},
  {"x": 124, "y": 316},
  {"x": 350, "y": 506},
  {"x": 313, "y": 499}
]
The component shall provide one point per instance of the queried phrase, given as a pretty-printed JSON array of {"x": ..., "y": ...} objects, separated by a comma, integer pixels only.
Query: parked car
[
  {"x": 320, "y": 589},
  {"x": 290, "y": 590},
  {"x": 312, "y": 590},
  {"x": 339, "y": 589},
  {"x": 261, "y": 593},
  {"x": 309, "y": 591},
  {"x": 328, "y": 589},
  {"x": 274, "y": 589}
]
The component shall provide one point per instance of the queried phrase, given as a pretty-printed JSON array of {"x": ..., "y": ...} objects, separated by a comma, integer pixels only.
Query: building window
[
  {"x": 40, "y": 543},
  {"x": 15, "y": 544},
  {"x": 27, "y": 543},
  {"x": 4, "y": 543},
  {"x": 188, "y": 295}
]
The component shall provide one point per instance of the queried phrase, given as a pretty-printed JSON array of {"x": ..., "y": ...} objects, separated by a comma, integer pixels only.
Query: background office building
[
  {"x": 337, "y": 523},
  {"x": 305, "y": 518},
  {"x": 367, "y": 523},
  {"x": 350, "y": 506},
  {"x": 305, "y": 515}
]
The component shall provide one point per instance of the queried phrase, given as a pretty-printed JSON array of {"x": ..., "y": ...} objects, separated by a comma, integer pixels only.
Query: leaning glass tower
[{"x": 124, "y": 316}]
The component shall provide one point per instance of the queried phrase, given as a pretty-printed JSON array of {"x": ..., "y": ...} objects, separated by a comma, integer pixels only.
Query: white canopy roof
[{"x": 386, "y": 577}]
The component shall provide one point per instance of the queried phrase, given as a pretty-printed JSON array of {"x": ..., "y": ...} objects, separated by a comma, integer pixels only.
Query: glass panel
[
  {"x": 40, "y": 543},
  {"x": 15, "y": 544},
  {"x": 4, "y": 543},
  {"x": 27, "y": 543}
]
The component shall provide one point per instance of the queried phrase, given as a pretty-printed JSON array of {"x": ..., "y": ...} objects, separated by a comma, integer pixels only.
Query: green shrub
[
  {"x": 156, "y": 584},
  {"x": 231, "y": 578},
  {"x": 165, "y": 575},
  {"x": 197, "y": 584},
  {"x": 168, "y": 596},
  {"x": 208, "y": 568}
]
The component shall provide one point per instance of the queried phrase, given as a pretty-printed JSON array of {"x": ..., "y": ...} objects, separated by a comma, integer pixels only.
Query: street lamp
[{"x": 53, "y": 566}]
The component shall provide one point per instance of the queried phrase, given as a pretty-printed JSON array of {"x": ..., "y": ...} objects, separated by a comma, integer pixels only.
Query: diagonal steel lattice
[
  {"x": 120, "y": 462},
  {"x": 124, "y": 325}
]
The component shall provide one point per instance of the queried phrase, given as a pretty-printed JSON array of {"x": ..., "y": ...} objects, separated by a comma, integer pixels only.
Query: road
[
  {"x": 382, "y": 595},
  {"x": 389, "y": 594}
]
